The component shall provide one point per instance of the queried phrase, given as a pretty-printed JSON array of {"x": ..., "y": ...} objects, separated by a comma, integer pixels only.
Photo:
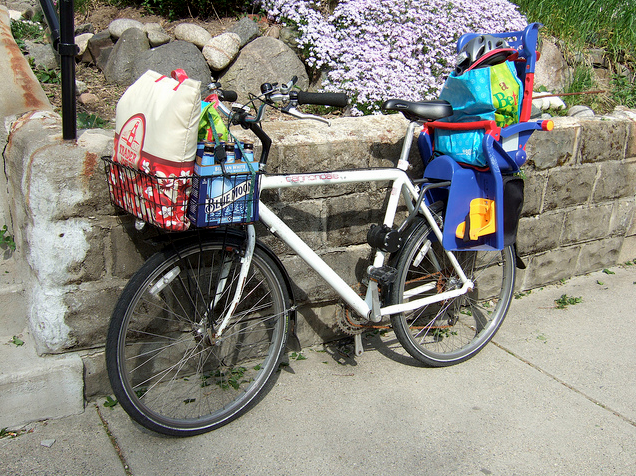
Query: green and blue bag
[{"x": 481, "y": 94}]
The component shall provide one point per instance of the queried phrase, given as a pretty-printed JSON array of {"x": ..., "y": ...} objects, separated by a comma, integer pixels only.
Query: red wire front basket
[{"x": 159, "y": 201}]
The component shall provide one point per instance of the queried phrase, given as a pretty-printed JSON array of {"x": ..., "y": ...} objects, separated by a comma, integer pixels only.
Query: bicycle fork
[{"x": 246, "y": 262}]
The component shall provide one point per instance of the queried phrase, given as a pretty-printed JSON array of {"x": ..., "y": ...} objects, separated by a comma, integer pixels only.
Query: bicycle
[{"x": 198, "y": 333}]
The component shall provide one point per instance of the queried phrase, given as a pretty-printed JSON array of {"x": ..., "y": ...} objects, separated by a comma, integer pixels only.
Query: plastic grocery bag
[
  {"x": 493, "y": 93},
  {"x": 211, "y": 120}
]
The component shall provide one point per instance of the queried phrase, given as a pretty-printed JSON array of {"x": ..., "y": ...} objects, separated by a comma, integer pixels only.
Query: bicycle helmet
[{"x": 482, "y": 51}]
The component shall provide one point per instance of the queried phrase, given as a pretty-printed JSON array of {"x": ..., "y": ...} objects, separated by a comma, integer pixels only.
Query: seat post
[{"x": 403, "y": 163}]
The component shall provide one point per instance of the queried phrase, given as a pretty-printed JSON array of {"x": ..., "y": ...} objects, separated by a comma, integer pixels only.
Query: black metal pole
[
  {"x": 51, "y": 19},
  {"x": 63, "y": 38},
  {"x": 68, "y": 50}
]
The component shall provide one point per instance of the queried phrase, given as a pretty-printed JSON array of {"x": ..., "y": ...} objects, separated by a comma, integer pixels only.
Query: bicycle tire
[
  {"x": 166, "y": 369},
  {"x": 453, "y": 330}
]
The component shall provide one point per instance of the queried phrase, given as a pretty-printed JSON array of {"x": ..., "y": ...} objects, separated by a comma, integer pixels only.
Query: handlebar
[
  {"x": 320, "y": 99},
  {"x": 227, "y": 95},
  {"x": 271, "y": 94}
]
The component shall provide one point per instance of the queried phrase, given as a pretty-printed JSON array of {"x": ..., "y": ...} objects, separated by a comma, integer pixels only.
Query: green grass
[
  {"x": 6, "y": 240},
  {"x": 25, "y": 30},
  {"x": 584, "y": 24},
  {"x": 566, "y": 300},
  {"x": 608, "y": 24},
  {"x": 90, "y": 121}
]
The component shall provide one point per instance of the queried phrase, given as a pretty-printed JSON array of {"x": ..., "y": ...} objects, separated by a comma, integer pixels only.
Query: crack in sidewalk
[
  {"x": 567, "y": 385},
  {"x": 113, "y": 441}
]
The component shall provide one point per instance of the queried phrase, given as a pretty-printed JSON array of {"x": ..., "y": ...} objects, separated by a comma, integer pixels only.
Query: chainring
[{"x": 348, "y": 323}]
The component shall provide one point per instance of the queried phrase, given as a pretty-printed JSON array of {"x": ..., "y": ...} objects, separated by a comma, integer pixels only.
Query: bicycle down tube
[{"x": 400, "y": 183}]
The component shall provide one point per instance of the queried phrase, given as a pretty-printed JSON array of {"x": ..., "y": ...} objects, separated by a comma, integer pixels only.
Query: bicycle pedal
[{"x": 384, "y": 275}]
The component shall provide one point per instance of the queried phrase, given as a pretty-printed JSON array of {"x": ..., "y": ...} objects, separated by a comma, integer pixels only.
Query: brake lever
[{"x": 292, "y": 111}]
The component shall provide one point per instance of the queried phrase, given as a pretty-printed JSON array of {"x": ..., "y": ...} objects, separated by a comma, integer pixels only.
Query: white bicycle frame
[{"x": 369, "y": 307}]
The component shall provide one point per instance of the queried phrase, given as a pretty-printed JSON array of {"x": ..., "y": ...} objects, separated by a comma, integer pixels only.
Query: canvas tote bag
[{"x": 156, "y": 127}]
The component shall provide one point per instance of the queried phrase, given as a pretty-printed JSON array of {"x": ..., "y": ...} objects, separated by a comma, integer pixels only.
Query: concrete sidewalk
[{"x": 554, "y": 394}]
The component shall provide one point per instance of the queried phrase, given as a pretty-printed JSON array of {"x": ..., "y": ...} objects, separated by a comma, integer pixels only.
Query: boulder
[
  {"x": 100, "y": 46},
  {"x": 289, "y": 36},
  {"x": 157, "y": 36},
  {"x": 580, "y": 111},
  {"x": 221, "y": 50},
  {"x": 246, "y": 29},
  {"x": 273, "y": 32},
  {"x": 174, "y": 55},
  {"x": 192, "y": 33},
  {"x": 551, "y": 70},
  {"x": 544, "y": 103},
  {"x": 82, "y": 43},
  {"x": 122, "y": 60},
  {"x": 15, "y": 15},
  {"x": 80, "y": 87},
  {"x": 88, "y": 99},
  {"x": 84, "y": 28},
  {"x": 43, "y": 55},
  {"x": 264, "y": 60},
  {"x": 119, "y": 26}
]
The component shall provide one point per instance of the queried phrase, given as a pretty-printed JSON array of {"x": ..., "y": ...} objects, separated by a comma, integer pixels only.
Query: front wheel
[
  {"x": 453, "y": 330},
  {"x": 168, "y": 368}
]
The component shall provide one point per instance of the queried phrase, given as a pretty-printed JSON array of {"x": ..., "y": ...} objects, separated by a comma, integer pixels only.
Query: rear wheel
[
  {"x": 456, "y": 329},
  {"x": 168, "y": 369}
]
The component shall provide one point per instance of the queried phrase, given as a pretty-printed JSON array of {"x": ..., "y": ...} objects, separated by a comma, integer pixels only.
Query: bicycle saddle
[{"x": 426, "y": 110}]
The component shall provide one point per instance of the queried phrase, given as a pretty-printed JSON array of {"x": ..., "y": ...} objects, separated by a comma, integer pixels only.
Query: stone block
[
  {"x": 551, "y": 267},
  {"x": 350, "y": 143},
  {"x": 585, "y": 224},
  {"x": 36, "y": 388},
  {"x": 305, "y": 192},
  {"x": 317, "y": 324},
  {"x": 569, "y": 186},
  {"x": 520, "y": 277},
  {"x": 128, "y": 251},
  {"x": 540, "y": 233},
  {"x": 89, "y": 307},
  {"x": 599, "y": 254},
  {"x": 631, "y": 229},
  {"x": 96, "y": 383},
  {"x": 65, "y": 252},
  {"x": 603, "y": 139},
  {"x": 57, "y": 179},
  {"x": 534, "y": 188},
  {"x": 613, "y": 181},
  {"x": 92, "y": 266},
  {"x": 557, "y": 147},
  {"x": 309, "y": 287},
  {"x": 622, "y": 217},
  {"x": 631, "y": 143},
  {"x": 350, "y": 216},
  {"x": 307, "y": 219},
  {"x": 628, "y": 250}
]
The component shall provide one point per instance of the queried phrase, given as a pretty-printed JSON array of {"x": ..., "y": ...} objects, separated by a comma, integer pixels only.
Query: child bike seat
[{"x": 421, "y": 110}]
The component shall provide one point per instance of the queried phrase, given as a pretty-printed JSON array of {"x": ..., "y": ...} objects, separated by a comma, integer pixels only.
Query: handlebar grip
[
  {"x": 228, "y": 95},
  {"x": 323, "y": 99}
]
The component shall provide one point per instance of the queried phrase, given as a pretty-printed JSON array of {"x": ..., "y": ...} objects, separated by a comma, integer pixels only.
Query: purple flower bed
[{"x": 375, "y": 50}]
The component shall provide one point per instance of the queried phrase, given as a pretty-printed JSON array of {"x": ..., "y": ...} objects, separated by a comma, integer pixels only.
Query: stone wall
[
  {"x": 578, "y": 216},
  {"x": 579, "y": 207}
]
